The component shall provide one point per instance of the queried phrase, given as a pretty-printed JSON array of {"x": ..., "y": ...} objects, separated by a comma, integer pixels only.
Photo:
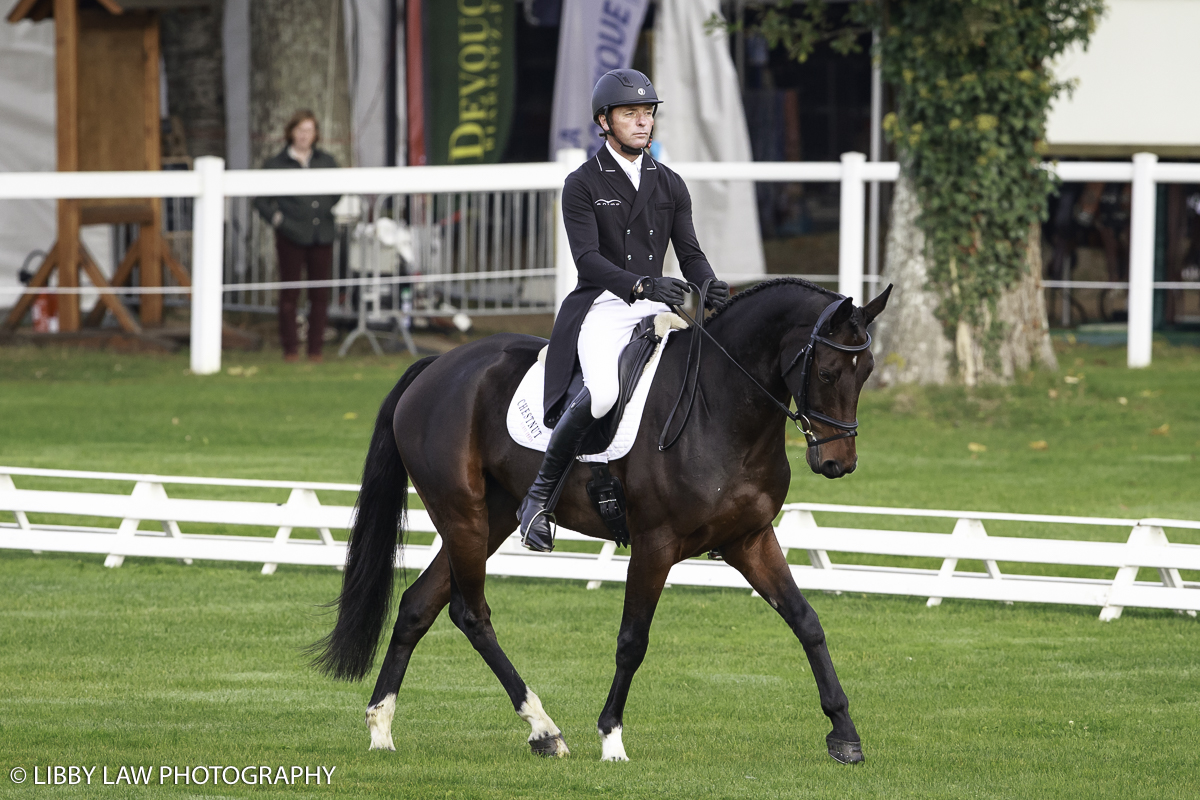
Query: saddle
[
  {"x": 605, "y": 489},
  {"x": 630, "y": 367}
]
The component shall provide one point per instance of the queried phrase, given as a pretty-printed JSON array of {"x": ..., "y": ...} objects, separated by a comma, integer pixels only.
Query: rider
[{"x": 620, "y": 208}]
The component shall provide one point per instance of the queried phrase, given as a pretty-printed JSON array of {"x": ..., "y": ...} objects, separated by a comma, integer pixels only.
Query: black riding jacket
[{"x": 617, "y": 236}]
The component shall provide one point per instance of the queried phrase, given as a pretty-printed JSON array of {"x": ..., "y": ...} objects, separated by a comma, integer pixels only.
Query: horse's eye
[{"x": 825, "y": 376}]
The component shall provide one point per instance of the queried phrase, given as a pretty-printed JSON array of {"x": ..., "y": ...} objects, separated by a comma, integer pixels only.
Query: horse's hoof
[
  {"x": 549, "y": 747},
  {"x": 845, "y": 752},
  {"x": 611, "y": 746}
]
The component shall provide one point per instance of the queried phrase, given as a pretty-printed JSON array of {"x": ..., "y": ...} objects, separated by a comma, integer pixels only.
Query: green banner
[{"x": 470, "y": 51}]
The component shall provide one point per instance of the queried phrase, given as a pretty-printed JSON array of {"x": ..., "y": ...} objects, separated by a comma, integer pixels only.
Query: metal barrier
[
  {"x": 1146, "y": 547},
  {"x": 210, "y": 184},
  {"x": 443, "y": 238}
]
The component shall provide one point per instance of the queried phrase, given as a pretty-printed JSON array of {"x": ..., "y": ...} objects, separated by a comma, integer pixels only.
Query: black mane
[{"x": 767, "y": 285}]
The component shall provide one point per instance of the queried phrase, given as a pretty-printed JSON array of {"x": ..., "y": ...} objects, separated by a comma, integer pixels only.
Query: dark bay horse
[{"x": 719, "y": 488}]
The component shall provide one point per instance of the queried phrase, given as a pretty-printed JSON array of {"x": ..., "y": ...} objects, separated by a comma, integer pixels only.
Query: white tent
[
  {"x": 27, "y": 139},
  {"x": 1132, "y": 82},
  {"x": 27, "y": 144}
]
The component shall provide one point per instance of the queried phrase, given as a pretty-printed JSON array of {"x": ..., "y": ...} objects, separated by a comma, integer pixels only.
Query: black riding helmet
[{"x": 621, "y": 87}]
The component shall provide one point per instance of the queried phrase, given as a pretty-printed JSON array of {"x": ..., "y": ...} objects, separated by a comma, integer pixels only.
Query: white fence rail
[
  {"x": 1147, "y": 545},
  {"x": 210, "y": 184}
]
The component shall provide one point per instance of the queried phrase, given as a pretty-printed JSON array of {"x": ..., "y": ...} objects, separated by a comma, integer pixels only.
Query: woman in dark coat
[{"x": 304, "y": 231}]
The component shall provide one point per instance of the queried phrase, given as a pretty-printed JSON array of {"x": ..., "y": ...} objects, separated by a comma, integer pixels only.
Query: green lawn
[{"x": 156, "y": 663}]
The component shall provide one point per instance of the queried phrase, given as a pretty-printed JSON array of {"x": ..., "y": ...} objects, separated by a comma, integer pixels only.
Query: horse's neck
[{"x": 753, "y": 333}]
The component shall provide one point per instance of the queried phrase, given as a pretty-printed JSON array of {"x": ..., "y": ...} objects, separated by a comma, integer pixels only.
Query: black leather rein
[{"x": 804, "y": 415}]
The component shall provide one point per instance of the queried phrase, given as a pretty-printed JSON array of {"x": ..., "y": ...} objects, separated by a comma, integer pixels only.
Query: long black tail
[{"x": 349, "y": 649}]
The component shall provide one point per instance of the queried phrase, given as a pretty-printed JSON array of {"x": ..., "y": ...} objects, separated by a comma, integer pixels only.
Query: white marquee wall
[
  {"x": 1136, "y": 80},
  {"x": 27, "y": 145}
]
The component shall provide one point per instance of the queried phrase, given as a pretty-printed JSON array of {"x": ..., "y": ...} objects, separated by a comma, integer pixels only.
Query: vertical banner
[
  {"x": 702, "y": 119},
  {"x": 594, "y": 37},
  {"x": 470, "y": 63}
]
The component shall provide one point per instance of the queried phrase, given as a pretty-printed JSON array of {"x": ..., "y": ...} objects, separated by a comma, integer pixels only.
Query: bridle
[{"x": 804, "y": 415}]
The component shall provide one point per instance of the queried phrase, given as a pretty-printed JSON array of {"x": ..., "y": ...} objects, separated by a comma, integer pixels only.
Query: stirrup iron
[{"x": 552, "y": 523}]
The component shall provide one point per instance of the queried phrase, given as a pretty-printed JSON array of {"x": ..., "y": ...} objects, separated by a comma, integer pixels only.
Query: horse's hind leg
[
  {"x": 760, "y": 560},
  {"x": 419, "y": 608},
  {"x": 468, "y": 551}
]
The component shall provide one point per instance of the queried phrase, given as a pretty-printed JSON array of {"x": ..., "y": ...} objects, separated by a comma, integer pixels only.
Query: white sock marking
[
  {"x": 379, "y": 723},
  {"x": 539, "y": 721},
  {"x": 611, "y": 746}
]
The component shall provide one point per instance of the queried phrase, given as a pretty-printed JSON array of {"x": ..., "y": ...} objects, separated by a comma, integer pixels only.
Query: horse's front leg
[
  {"x": 760, "y": 560},
  {"x": 644, "y": 584}
]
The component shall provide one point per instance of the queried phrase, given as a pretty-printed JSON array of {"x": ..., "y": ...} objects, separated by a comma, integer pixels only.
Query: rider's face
[{"x": 632, "y": 124}]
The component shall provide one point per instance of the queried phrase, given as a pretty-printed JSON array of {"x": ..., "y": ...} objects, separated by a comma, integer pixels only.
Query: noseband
[{"x": 804, "y": 415}]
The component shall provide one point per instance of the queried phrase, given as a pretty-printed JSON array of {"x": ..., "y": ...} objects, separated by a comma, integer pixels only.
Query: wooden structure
[{"x": 107, "y": 94}]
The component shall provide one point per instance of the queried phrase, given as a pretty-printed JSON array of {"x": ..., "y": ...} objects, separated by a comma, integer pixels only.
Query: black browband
[{"x": 803, "y": 415}]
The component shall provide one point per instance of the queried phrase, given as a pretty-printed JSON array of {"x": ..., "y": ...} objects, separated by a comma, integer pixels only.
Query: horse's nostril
[{"x": 831, "y": 469}]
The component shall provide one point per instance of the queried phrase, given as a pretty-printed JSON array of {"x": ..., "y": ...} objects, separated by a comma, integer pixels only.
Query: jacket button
[
  {"x": 652, "y": 231},
  {"x": 651, "y": 258},
  {"x": 316, "y": 221},
  {"x": 315, "y": 204},
  {"x": 628, "y": 258},
  {"x": 626, "y": 232}
]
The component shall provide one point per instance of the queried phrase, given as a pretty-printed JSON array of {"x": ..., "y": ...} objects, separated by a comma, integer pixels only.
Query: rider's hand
[
  {"x": 661, "y": 290},
  {"x": 718, "y": 295}
]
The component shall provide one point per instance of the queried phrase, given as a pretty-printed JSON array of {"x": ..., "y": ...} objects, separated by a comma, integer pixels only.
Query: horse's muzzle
[{"x": 832, "y": 467}]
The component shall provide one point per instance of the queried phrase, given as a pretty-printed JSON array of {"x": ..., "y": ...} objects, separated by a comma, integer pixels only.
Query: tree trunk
[
  {"x": 298, "y": 60},
  {"x": 194, "y": 59},
  {"x": 911, "y": 343},
  {"x": 913, "y": 346},
  {"x": 1025, "y": 345}
]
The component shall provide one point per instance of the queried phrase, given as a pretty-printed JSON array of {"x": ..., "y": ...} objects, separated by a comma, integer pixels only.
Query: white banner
[
  {"x": 594, "y": 36},
  {"x": 701, "y": 119}
]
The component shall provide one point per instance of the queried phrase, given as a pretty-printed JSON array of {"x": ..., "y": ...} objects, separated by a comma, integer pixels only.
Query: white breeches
[{"x": 605, "y": 332}]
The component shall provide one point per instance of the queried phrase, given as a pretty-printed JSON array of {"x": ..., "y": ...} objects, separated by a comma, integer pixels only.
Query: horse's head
[{"x": 826, "y": 392}]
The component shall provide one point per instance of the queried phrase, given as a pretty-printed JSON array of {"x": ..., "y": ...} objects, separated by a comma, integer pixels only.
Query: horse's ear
[
  {"x": 841, "y": 314},
  {"x": 874, "y": 308}
]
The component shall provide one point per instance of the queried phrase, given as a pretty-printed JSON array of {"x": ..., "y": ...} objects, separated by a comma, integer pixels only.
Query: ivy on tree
[{"x": 972, "y": 86}]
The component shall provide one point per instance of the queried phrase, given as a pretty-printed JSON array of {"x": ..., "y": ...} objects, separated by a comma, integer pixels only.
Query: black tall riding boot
[{"x": 537, "y": 509}]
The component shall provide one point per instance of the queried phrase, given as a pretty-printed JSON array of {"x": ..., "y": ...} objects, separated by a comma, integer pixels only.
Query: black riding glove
[
  {"x": 718, "y": 295},
  {"x": 660, "y": 290}
]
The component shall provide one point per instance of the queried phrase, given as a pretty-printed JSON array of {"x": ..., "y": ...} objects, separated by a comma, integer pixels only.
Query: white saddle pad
[{"x": 525, "y": 410}]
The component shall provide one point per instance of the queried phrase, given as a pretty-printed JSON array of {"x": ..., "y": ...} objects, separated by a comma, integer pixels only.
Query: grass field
[{"x": 157, "y": 664}]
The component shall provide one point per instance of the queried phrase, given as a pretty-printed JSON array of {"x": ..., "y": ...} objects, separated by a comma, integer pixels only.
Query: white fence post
[
  {"x": 850, "y": 238},
  {"x": 1141, "y": 260},
  {"x": 208, "y": 249},
  {"x": 564, "y": 265}
]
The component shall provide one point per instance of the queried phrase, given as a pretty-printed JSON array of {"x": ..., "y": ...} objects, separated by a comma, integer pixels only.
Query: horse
[{"x": 717, "y": 490}]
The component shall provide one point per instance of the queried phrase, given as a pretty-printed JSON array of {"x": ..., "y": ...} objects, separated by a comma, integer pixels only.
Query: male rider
[{"x": 621, "y": 208}]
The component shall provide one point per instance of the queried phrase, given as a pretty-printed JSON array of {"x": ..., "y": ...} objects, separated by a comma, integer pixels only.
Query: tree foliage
[{"x": 972, "y": 89}]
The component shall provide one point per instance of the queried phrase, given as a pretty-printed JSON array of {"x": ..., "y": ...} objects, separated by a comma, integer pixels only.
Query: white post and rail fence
[
  {"x": 210, "y": 184},
  {"x": 301, "y": 532}
]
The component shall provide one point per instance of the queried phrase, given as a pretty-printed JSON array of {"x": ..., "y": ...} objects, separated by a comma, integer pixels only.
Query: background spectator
[{"x": 304, "y": 231}]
